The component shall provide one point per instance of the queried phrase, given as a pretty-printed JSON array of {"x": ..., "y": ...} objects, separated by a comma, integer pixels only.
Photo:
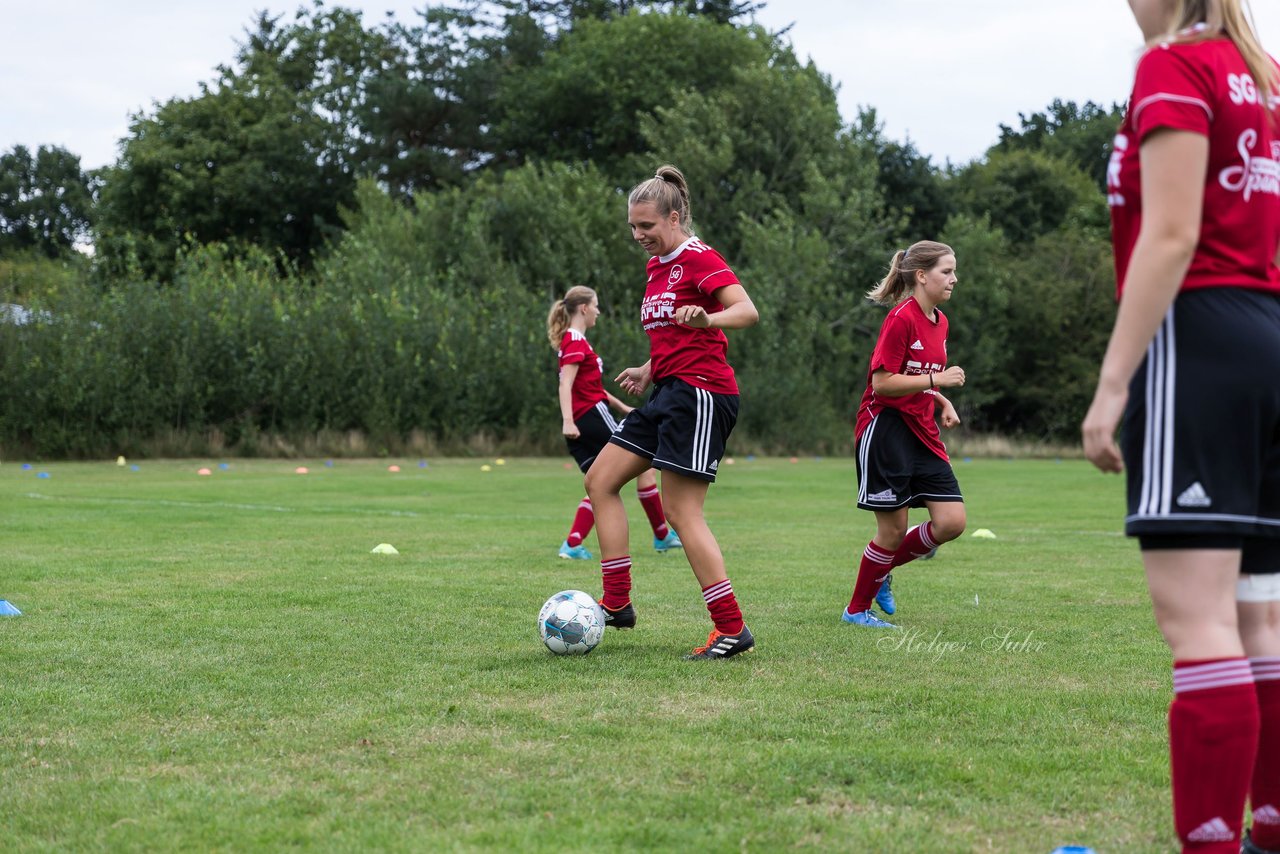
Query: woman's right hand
[
  {"x": 634, "y": 380},
  {"x": 570, "y": 429},
  {"x": 950, "y": 378}
]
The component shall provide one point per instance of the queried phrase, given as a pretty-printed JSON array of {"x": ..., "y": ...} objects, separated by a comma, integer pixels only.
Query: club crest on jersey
[{"x": 674, "y": 276}]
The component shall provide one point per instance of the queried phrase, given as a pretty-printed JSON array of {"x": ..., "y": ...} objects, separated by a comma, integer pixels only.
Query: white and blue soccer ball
[{"x": 571, "y": 623}]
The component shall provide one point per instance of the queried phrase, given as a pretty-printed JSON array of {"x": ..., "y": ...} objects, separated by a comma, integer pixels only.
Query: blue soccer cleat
[
  {"x": 928, "y": 556},
  {"x": 667, "y": 543},
  {"x": 884, "y": 598},
  {"x": 578, "y": 552},
  {"x": 866, "y": 618}
]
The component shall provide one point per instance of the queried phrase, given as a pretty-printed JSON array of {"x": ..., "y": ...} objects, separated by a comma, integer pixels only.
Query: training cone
[
  {"x": 121, "y": 460},
  {"x": 500, "y": 461},
  {"x": 7, "y": 610},
  {"x": 393, "y": 469},
  {"x": 204, "y": 472},
  {"x": 486, "y": 467},
  {"x": 984, "y": 534},
  {"x": 300, "y": 470},
  {"x": 384, "y": 549}
]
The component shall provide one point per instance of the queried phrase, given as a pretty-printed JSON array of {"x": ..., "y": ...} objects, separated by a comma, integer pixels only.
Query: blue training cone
[{"x": 7, "y": 610}]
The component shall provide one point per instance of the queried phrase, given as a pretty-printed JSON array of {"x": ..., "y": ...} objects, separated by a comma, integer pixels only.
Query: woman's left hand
[
  {"x": 1099, "y": 429},
  {"x": 950, "y": 418},
  {"x": 694, "y": 316}
]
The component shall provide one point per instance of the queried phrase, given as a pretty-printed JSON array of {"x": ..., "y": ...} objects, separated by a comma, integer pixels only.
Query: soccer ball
[{"x": 571, "y": 623}]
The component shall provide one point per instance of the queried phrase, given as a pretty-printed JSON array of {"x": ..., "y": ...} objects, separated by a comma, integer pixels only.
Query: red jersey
[
  {"x": 1205, "y": 87},
  {"x": 588, "y": 385},
  {"x": 911, "y": 344},
  {"x": 688, "y": 276}
]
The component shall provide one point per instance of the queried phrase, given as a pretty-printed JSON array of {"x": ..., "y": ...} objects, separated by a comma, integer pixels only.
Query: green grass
[{"x": 218, "y": 663}]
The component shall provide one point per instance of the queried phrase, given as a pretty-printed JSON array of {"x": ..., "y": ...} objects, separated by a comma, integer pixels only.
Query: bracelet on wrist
[{"x": 931, "y": 379}]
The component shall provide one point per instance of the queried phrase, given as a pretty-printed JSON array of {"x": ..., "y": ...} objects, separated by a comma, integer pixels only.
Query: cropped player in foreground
[
  {"x": 1194, "y": 190},
  {"x": 901, "y": 460},
  {"x": 690, "y": 296},
  {"x": 586, "y": 420}
]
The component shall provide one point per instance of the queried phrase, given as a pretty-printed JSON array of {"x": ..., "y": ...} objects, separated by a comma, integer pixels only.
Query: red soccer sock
[
  {"x": 651, "y": 501},
  {"x": 583, "y": 521},
  {"x": 1264, "y": 791},
  {"x": 616, "y": 574},
  {"x": 876, "y": 564},
  {"x": 723, "y": 606},
  {"x": 918, "y": 543},
  {"x": 1213, "y": 736}
]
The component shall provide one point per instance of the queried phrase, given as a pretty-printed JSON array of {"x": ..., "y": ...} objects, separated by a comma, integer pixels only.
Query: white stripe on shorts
[
  {"x": 864, "y": 452},
  {"x": 1157, "y": 452},
  {"x": 609, "y": 421},
  {"x": 702, "y": 419}
]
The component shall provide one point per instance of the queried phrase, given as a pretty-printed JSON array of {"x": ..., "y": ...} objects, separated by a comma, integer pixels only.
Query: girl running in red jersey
[
  {"x": 587, "y": 422},
  {"x": 1194, "y": 190},
  {"x": 901, "y": 460},
  {"x": 690, "y": 296}
]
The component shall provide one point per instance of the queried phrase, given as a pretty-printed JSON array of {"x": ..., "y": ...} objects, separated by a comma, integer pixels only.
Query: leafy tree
[
  {"x": 1078, "y": 133},
  {"x": 585, "y": 101},
  {"x": 46, "y": 201},
  {"x": 263, "y": 156},
  {"x": 1028, "y": 193},
  {"x": 912, "y": 187}
]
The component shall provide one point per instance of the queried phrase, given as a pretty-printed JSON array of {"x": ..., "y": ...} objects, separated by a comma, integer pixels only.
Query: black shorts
[
  {"x": 594, "y": 429},
  {"x": 681, "y": 428},
  {"x": 895, "y": 469},
  {"x": 1201, "y": 433}
]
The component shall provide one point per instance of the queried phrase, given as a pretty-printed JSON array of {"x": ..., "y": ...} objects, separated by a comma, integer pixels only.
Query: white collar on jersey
[{"x": 674, "y": 252}]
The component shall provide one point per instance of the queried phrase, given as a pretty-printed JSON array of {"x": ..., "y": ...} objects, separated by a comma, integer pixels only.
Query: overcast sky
[{"x": 944, "y": 73}]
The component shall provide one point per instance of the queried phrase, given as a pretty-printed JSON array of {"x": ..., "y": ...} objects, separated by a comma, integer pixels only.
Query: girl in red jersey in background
[
  {"x": 901, "y": 460},
  {"x": 587, "y": 422},
  {"x": 1194, "y": 190},
  {"x": 690, "y": 296}
]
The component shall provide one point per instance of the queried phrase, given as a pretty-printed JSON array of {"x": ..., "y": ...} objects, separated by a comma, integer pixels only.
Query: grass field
[{"x": 218, "y": 663}]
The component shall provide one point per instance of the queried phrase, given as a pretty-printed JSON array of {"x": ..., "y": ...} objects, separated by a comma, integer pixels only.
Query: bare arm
[
  {"x": 888, "y": 384},
  {"x": 617, "y": 405},
  {"x": 1174, "y": 164},
  {"x": 950, "y": 418},
  {"x": 739, "y": 311},
  {"x": 567, "y": 375}
]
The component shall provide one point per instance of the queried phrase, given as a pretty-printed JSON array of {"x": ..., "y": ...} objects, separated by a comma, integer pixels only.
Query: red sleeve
[
  {"x": 713, "y": 273},
  {"x": 572, "y": 351},
  {"x": 891, "y": 348},
  {"x": 1170, "y": 92}
]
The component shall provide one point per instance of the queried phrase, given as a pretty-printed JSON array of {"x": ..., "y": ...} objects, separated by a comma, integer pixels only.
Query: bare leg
[
  {"x": 683, "y": 497},
  {"x": 612, "y": 469}
]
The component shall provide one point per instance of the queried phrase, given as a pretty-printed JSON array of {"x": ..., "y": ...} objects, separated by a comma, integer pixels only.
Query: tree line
[{"x": 358, "y": 227}]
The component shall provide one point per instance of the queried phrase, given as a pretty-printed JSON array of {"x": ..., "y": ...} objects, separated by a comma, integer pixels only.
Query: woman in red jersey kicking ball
[
  {"x": 1190, "y": 370},
  {"x": 901, "y": 460},
  {"x": 691, "y": 295},
  {"x": 587, "y": 422}
]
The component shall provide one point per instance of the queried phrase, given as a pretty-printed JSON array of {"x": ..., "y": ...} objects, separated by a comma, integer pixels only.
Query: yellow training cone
[
  {"x": 384, "y": 549},
  {"x": 486, "y": 468},
  {"x": 984, "y": 534},
  {"x": 120, "y": 460}
]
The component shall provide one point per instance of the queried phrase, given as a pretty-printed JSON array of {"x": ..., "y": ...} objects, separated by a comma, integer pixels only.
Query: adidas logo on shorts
[{"x": 1194, "y": 496}]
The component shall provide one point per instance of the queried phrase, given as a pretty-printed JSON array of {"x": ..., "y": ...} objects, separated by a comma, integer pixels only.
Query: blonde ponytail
[
  {"x": 668, "y": 191},
  {"x": 900, "y": 281},
  {"x": 562, "y": 311}
]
